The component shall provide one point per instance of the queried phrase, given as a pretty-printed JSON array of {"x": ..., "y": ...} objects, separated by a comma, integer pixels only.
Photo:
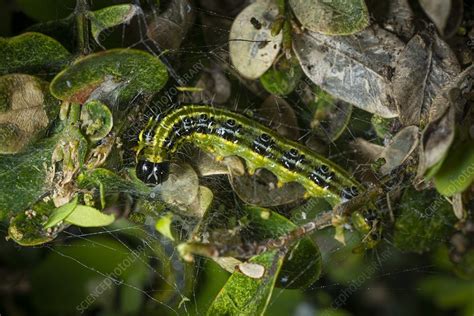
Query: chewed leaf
[
  {"x": 336, "y": 17},
  {"x": 26, "y": 228},
  {"x": 121, "y": 74},
  {"x": 252, "y": 46},
  {"x": 424, "y": 67},
  {"x": 352, "y": 68},
  {"x": 26, "y": 110},
  {"x": 31, "y": 53},
  {"x": 438, "y": 135},
  {"x": 109, "y": 17},
  {"x": 86, "y": 216},
  {"x": 60, "y": 213}
]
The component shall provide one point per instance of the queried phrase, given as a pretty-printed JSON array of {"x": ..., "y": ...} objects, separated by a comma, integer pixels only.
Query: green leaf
[
  {"x": 109, "y": 17},
  {"x": 81, "y": 276},
  {"x": 282, "y": 79},
  {"x": 243, "y": 295},
  {"x": 61, "y": 213},
  {"x": 97, "y": 120},
  {"x": 31, "y": 53},
  {"x": 26, "y": 228},
  {"x": 122, "y": 73},
  {"x": 424, "y": 221},
  {"x": 465, "y": 267},
  {"x": 457, "y": 171},
  {"x": 24, "y": 177},
  {"x": 86, "y": 216},
  {"x": 447, "y": 292},
  {"x": 304, "y": 253},
  {"x": 163, "y": 225},
  {"x": 335, "y": 17},
  {"x": 46, "y": 10}
]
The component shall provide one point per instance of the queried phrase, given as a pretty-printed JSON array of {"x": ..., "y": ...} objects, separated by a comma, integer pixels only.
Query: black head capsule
[
  {"x": 263, "y": 145},
  {"x": 153, "y": 173},
  {"x": 292, "y": 159},
  {"x": 349, "y": 193}
]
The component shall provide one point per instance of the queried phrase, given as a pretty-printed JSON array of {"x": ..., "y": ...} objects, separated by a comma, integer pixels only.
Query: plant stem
[
  {"x": 74, "y": 113},
  {"x": 82, "y": 26}
]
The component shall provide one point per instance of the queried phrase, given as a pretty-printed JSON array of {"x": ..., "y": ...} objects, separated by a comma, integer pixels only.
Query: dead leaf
[{"x": 356, "y": 69}]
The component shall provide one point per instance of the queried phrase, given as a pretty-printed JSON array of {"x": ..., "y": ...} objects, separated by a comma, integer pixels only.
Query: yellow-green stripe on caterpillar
[{"x": 226, "y": 133}]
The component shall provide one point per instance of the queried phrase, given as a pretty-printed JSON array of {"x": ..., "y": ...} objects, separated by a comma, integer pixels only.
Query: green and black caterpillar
[{"x": 226, "y": 133}]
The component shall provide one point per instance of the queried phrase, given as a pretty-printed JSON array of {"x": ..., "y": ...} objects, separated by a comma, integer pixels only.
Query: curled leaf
[
  {"x": 278, "y": 114},
  {"x": 109, "y": 17},
  {"x": 97, "y": 120}
]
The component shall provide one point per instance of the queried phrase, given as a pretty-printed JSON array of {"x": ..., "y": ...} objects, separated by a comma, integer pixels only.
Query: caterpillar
[{"x": 226, "y": 133}]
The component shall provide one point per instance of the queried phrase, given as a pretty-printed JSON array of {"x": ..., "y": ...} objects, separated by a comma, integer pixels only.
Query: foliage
[{"x": 388, "y": 97}]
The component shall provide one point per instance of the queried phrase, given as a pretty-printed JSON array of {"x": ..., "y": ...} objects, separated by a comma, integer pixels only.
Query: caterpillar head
[{"x": 153, "y": 172}]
